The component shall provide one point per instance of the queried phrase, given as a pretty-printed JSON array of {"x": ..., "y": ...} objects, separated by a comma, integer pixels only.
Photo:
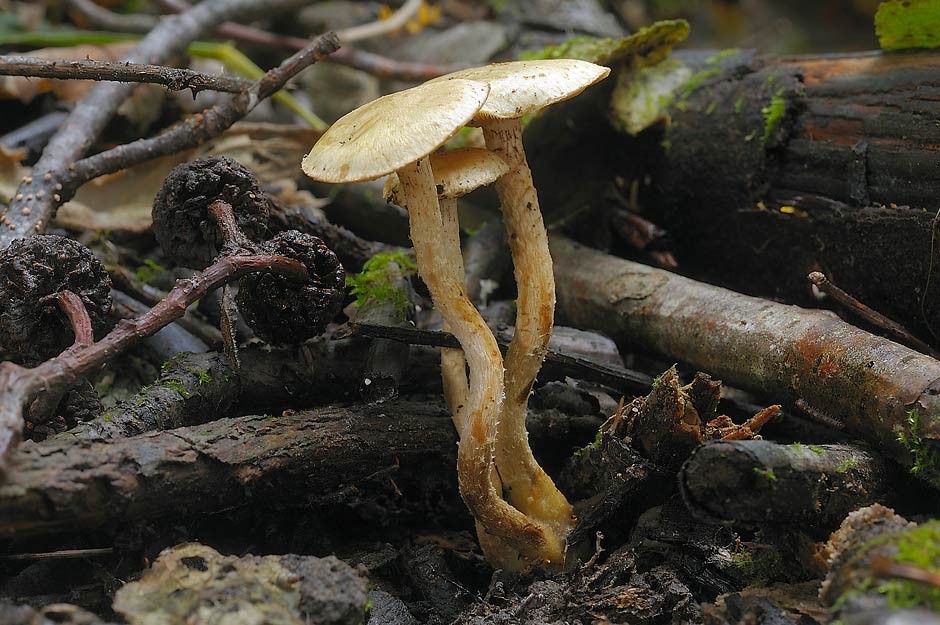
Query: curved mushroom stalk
[
  {"x": 453, "y": 363},
  {"x": 478, "y": 434},
  {"x": 527, "y": 485}
]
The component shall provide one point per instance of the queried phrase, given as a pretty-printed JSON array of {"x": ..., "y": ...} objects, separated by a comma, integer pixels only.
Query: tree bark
[{"x": 853, "y": 136}]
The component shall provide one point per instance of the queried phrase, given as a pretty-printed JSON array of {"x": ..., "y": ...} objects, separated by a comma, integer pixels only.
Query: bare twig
[
  {"x": 18, "y": 385},
  {"x": 62, "y": 554},
  {"x": 394, "y": 22},
  {"x": 565, "y": 364},
  {"x": 168, "y": 39},
  {"x": 172, "y": 78},
  {"x": 73, "y": 307},
  {"x": 872, "y": 316},
  {"x": 197, "y": 128}
]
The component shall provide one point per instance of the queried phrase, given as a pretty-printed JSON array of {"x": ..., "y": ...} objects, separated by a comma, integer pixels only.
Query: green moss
[
  {"x": 925, "y": 459},
  {"x": 918, "y": 546},
  {"x": 645, "y": 47},
  {"x": 767, "y": 474},
  {"x": 202, "y": 375},
  {"x": 797, "y": 446},
  {"x": 758, "y": 566},
  {"x": 846, "y": 464},
  {"x": 698, "y": 79},
  {"x": 721, "y": 56},
  {"x": 175, "y": 384},
  {"x": 497, "y": 6},
  {"x": 738, "y": 104},
  {"x": 905, "y": 24},
  {"x": 107, "y": 417},
  {"x": 147, "y": 272},
  {"x": 375, "y": 283},
  {"x": 816, "y": 449},
  {"x": 711, "y": 107},
  {"x": 773, "y": 114}
]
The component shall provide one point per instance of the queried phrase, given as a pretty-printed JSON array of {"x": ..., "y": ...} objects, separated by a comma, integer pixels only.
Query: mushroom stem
[
  {"x": 528, "y": 487},
  {"x": 453, "y": 363},
  {"x": 478, "y": 433}
]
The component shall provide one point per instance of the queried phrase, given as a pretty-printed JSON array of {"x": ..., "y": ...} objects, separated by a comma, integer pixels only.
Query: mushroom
[
  {"x": 456, "y": 173},
  {"x": 518, "y": 89},
  {"x": 396, "y": 133}
]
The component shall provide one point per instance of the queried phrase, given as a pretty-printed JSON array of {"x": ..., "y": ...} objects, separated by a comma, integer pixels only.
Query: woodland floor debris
[{"x": 757, "y": 170}]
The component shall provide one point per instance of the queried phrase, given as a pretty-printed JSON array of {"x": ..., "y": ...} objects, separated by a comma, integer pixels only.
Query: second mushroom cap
[{"x": 519, "y": 88}]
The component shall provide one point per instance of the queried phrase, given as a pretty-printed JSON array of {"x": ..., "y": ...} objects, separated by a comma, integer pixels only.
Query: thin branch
[
  {"x": 18, "y": 385},
  {"x": 74, "y": 308},
  {"x": 172, "y": 78},
  {"x": 567, "y": 364},
  {"x": 224, "y": 216},
  {"x": 394, "y": 22},
  {"x": 872, "y": 316},
  {"x": 196, "y": 128},
  {"x": 168, "y": 39}
]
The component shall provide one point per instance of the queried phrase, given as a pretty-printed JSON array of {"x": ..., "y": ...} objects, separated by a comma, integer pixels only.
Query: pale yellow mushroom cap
[
  {"x": 458, "y": 172},
  {"x": 518, "y": 88},
  {"x": 387, "y": 134}
]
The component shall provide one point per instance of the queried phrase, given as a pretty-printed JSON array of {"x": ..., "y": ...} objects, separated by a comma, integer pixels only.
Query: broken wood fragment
[{"x": 761, "y": 483}]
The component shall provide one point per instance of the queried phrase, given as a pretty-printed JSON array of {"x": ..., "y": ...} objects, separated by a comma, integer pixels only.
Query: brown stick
[
  {"x": 73, "y": 307},
  {"x": 868, "y": 382},
  {"x": 168, "y": 39},
  {"x": 19, "y": 385},
  {"x": 197, "y": 128},
  {"x": 173, "y": 78}
]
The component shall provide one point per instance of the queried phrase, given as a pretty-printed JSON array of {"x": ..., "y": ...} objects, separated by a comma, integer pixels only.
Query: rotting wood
[
  {"x": 762, "y": 483},
  {"x": 64, "y": 486},
  {"x": 881, "y": 391},
  {"x": 851, "y": 158}
]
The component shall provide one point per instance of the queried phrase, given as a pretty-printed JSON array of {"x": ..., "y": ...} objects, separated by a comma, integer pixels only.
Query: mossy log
[
  {"x": 767, "y": 168},
  {"x": 881, "y": 391}
]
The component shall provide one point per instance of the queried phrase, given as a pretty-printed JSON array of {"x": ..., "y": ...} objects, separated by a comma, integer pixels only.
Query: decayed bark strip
[
  {"x": 764, "y": 483},
  {"x": 785, "y": 352},
  {"x": 64, "y": 485}
]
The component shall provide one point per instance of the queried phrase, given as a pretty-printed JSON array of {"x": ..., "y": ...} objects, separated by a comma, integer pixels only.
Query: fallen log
[
  {"x": 769, "y": 168},
  {"x": 760, "y": 483},
  {"x": 300, "y": 458},
  {"x": 881, "y": 391}
]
